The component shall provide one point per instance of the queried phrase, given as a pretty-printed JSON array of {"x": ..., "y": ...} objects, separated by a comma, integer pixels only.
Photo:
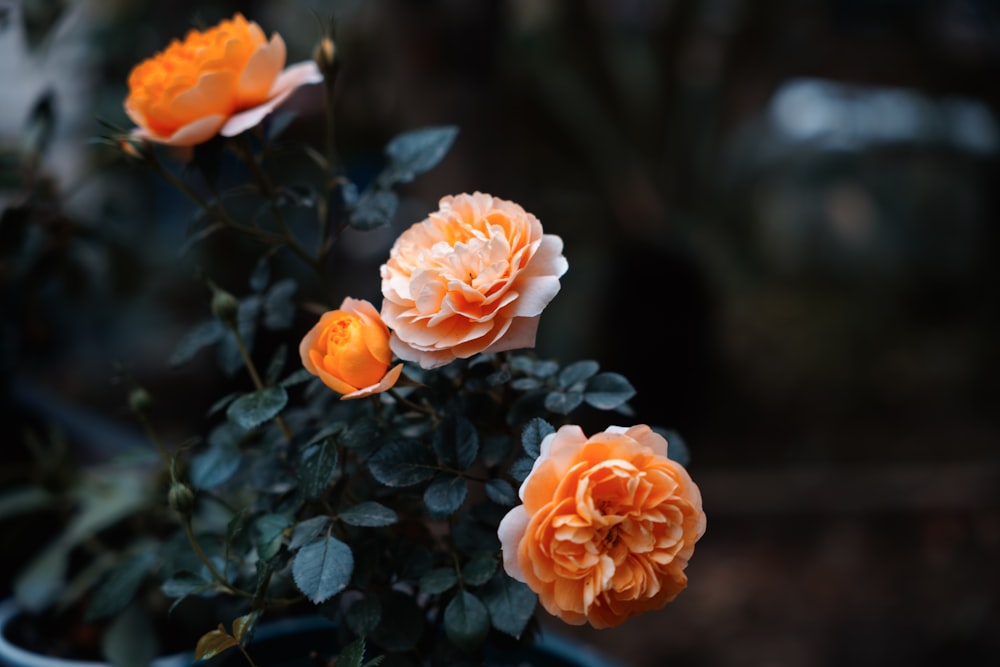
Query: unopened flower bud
[
  {"x": 180, "y": 497},
  {"x": 133, "y": 147},
  {"x": 139, "y": 400},
  {"x": 225, "y": 307},
  {"x": 325, "y": 54}
]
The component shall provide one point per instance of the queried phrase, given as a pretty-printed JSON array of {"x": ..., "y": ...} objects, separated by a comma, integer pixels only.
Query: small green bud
[
  {"x": 139, "y": 400},
  {"x": 180, "y": 497},
  {"x": 225, "y": 307}
]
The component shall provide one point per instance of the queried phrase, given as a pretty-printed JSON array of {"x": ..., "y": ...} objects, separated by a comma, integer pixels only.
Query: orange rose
[
  {"x": 221, "y": 81},
  {"x": 473, "y": 277},
  {"x": 607, "y": 525},
  {"x": 348, "y": 350}
]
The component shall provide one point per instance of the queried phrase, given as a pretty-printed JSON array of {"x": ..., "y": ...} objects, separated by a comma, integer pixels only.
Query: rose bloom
[
  {"x": 221, "y": 81},
  {"x": 348, "y": 350},
  {"x": 473, "y": 277},
  {"x": 607, "y": 525}
]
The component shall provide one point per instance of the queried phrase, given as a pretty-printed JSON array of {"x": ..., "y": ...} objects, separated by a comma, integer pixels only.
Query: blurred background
[{"x": 781, "y": 220}]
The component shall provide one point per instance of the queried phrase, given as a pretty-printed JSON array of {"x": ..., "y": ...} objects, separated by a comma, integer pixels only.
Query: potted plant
[{"x": 407, "y": 476}]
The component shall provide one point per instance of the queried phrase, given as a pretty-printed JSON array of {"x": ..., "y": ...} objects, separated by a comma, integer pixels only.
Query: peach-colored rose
[
  {"x": 348, "y": 350},
  {"x": 473, "y": 277},
  {"x": 223, "y": 80},
  {"x": 607, "y": 525}
]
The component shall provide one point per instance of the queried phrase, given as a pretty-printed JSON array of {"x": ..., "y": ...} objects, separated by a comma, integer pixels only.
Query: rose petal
[
  {"x": 192, "y": 134},
  {"x": 288, "y": 81},
  {"x": 386, "y": 383},
  {"x": 261, "y": 72}
]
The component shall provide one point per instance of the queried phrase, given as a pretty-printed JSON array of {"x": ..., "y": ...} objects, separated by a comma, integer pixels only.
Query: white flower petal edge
[{"x": 294, "y": 76}]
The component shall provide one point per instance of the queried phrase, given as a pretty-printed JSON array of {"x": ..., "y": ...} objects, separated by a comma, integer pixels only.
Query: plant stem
[
  {"x": 255, "y": 376},
  {"x": 203, "y": 557},
  {"x": 269, "y": 192}
]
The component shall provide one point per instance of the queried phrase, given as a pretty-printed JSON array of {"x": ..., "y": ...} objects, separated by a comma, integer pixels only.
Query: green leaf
[
  {"x": 563, "y": 403},
  {"x": 361, "y": 434},
  {"x": 445, "y": 495},
  {"x": 120, "y": 586},
  {"x": 184, "y": 584},
  {"x": 244, "y": 626},
  {"x": 215, "y": 465},
  {"x": 251, "y": 410},
  {"x": 606, "y": 391},
  {"x": 479, "y": 570},
  {"x": 271, "y": 533},
  {"x": 456, "y": 442},
  {"x": 297, "y": 377},
  {"x": 501, "y": 492},
  {"x": 415, "y": 152},
  {"x": 577, "y": 372},
  {"x": 466, "y": 620},
  {"x": 521, "y": 468},
  {"x": 402, "y": 463},
  {"x": 510, "y": 603},
  {"x": 279, "y": 311},
  {"x": 323, "y": 569},
  {"x": 364, "y": 615},
  {"x": 438, "y": 580},
  {"x": 369, "y": 514},
  {"x": 306, "y": 531},
  {"x": 276, "y": 365},
  {"x": 214, "y": 642},
  {"x": 261, "y": 274},
  {"x": 353, "y": 654},
  {"x": 319, "y": 463},
  {"x": 374, "y": 208},
  {"x": 532, "y": 435},
  {"x": 201, "y": 336}
]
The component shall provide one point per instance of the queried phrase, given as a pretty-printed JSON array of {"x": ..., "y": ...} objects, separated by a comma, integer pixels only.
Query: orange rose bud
[
  {"x": 607, "y": 526},
  {"x": 348, "y": 350},
  {"x": 223, "y": 80}
]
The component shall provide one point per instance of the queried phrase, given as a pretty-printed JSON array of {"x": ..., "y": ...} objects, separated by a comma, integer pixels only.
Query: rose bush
[
  {"x": 606, "y": 527},
  {"x": 223, "y": 80},
  {"x": 348, "y": 349},
  {"x": 473, "y": 277}
]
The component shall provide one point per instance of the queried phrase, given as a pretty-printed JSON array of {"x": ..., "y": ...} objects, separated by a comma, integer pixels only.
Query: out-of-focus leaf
[
  {"x": 214, "y": 642},
  {"x": 415, "y": 152},
  {"x": 369, "y": 514},
  {"x": 510, "y": 604},
  {"x": 606, "y": 391},
  {"x": 532, "y": 435},
  {"x": 199, "y": 337},
  {"x": 373, "y": 209},
  {"x": 466, "y": 620},
  {"x": 578, "y": 371},
  {"x": 445, "y": 495}
]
